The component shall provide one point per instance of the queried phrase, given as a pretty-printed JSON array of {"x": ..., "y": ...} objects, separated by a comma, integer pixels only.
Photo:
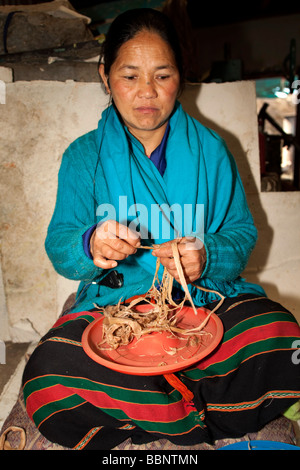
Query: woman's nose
[{"x": 147, "y": 89}]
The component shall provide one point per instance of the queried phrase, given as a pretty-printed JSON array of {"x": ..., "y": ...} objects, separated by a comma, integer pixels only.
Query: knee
[{"x": 36, "y": 366}]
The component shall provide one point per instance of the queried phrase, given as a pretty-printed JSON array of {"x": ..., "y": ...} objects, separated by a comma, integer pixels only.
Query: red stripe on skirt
[
  {"x": 145, "y": 412},
  {"x": 46, "y": 395},
  {"x": 259, "y": 333}
]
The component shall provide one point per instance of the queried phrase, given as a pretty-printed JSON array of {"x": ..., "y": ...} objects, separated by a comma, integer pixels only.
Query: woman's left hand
[{"x": 192, "y": 257}]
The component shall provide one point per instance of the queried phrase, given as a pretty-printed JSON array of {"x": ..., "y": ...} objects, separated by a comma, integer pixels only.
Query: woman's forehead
[{"x": 145, "y": 45}]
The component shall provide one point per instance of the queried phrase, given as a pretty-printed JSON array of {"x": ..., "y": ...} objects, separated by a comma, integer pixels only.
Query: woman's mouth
[{"x": 146, "y": 109}]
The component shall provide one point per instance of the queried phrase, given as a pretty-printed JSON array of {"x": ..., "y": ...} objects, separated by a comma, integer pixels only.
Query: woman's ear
[{"x": 104, "y": 78}]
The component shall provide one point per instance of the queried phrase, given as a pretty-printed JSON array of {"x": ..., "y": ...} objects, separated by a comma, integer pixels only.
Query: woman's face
[{"x": 144, "y": 82}]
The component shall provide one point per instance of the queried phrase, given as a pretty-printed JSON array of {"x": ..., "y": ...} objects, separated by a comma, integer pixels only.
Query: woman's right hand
[{"x": 112, "y": 242}]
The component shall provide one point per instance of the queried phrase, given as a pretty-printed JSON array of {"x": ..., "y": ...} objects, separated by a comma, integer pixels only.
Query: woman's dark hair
[{"x": 128, "y": 24}]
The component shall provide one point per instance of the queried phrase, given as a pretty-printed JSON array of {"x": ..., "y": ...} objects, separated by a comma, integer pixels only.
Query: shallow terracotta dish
[{"x": 156, "y": 353}]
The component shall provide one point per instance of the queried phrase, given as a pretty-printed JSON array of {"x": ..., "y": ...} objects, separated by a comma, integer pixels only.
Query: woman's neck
[{"x": 149, "y": 139}]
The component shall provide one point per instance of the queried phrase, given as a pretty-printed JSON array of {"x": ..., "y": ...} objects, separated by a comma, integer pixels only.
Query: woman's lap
[{"x": 249, "y": 380}]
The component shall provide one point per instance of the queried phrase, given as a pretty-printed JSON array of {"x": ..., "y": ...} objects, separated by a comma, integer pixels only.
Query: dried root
[{"x": 122, "y": 323}]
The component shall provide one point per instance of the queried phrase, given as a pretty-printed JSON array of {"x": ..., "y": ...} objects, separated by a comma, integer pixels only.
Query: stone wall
[{"x": 38, "y": 122}]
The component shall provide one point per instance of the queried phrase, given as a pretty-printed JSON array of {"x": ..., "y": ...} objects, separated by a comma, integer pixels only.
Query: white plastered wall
[{"x": 38, "y": 121}]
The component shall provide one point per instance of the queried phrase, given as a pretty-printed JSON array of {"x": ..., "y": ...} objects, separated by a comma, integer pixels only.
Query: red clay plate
[{"x": 159, "y": 352}]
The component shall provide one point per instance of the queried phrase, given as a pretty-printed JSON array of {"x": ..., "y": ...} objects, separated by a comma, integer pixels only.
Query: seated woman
[{"x": 148, "y": 153}]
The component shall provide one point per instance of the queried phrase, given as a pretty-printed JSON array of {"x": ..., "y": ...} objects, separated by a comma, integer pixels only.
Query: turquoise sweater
[{"x": 103, "y": 173}]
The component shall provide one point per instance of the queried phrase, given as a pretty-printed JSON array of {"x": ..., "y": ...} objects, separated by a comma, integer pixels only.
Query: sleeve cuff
[{"x": 86, "y": 238}]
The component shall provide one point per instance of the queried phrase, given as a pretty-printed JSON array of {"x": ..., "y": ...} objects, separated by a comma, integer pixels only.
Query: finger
[
  {"x": 164, "y": 250},
  {"x": 188, "y": 244},
  {"x": 190, "y": 268},
  {"x": 189, "y": 277},
  {"x": 183, "y": 244},
  {"x": 116, "y": 249},
  {"x": 102, "y": 251},
  {"x": 130, "y": 236},
  {"x": 111, "y": 230},
  {"x": 104, "y": 263},
  {"x": 168, "y": 263},
  {"x": 106, "y": 238}
]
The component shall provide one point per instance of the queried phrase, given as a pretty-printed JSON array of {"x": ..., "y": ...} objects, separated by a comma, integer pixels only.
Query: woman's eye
[
  {"x": 129, "y": 77},
  {"x": 163, "y": 77}
]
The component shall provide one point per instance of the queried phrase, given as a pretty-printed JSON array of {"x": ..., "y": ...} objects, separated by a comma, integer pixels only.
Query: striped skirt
[{"x": 250, "y": 379}]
